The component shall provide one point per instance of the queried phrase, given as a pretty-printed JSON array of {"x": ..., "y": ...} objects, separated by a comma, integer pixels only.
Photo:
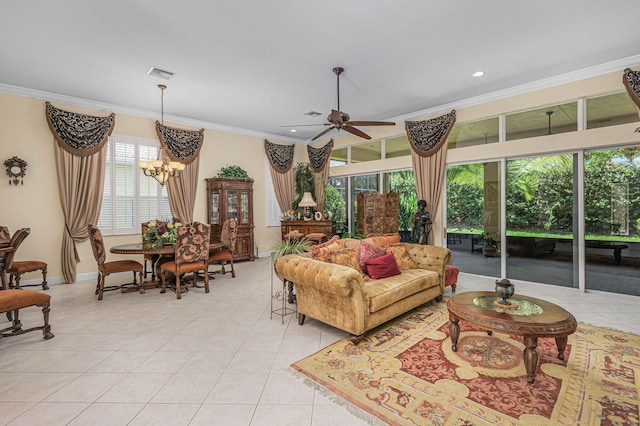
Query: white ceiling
[{"x": 259, "y": 65}]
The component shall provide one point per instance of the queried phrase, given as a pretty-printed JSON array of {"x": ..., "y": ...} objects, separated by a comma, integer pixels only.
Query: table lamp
[{"x": 307, "y": 202}]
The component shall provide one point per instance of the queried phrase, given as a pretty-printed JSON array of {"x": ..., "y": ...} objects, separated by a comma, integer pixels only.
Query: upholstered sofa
[{"x": 342, "y": 297}]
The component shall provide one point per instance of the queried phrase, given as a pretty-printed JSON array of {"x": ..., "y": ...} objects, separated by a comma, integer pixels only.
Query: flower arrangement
[{"x": 159, "y": 233}]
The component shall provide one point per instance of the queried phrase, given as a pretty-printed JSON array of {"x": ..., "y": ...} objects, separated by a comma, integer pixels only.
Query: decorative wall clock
[{"x": 16, "y": 169}]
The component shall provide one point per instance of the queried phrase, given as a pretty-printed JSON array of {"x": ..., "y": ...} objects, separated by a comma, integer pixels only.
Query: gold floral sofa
[{"x": 344, "y": 297}]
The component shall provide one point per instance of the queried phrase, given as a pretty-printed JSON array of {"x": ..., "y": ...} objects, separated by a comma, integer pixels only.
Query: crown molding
[{"x": 102, "y": 106}]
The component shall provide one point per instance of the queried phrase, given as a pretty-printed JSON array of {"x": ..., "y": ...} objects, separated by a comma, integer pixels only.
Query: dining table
[{"x": 140, "y": 249}]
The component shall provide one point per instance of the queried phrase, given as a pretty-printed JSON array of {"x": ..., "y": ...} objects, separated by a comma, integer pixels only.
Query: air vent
[
  {"x": 157, "y": 72},
  {"x": 312, "y": 113}
]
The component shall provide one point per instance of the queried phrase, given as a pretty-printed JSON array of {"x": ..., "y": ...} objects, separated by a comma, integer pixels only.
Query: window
[
  {"x": 366, "y": 152},
  {"x": 473, "y": 133},
  {"x": 130, "y": 198},
  {"x": 338, "y": 157},
  {"x": 610, "y": 110},
  {"x": 397, "y": 147},
  {"x": 543, "y": 121}
]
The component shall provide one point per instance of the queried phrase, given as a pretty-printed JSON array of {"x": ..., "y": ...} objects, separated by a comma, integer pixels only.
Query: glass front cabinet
[{"x": 232, "y": 199}]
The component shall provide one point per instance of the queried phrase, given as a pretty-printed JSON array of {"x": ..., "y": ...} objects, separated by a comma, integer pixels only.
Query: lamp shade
[{"x": 307, "y": 200}]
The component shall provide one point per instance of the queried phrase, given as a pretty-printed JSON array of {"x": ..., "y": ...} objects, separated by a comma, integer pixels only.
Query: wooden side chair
[
  {"x": 107, "y": 268},
  {"x": 192, "y": 253},
  {"x": 225, "y": 253}
]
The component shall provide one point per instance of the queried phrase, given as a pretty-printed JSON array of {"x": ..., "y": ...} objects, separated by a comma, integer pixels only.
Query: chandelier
[{"x": 161, "y": 169}]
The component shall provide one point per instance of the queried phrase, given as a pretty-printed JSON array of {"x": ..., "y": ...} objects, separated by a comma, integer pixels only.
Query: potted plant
[
  {"x": 283, "y": 248},
  {"x": 304, "y": 182},
  {"x": 233, "y": 172},
  {"x": 491, "y": 246}
]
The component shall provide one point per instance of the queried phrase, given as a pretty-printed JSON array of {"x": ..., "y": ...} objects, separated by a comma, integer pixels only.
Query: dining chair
[
  {"x": 5, "y": 236},
  {"x": 107, "y": 268},
  {"x": 225, "y": 253},
  {"x": 16, "y": 240},
  {"x": 192, "y": 253}
]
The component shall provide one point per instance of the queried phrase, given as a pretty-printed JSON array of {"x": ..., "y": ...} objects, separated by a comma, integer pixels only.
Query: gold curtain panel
[
  {"x": 427, "y": 137},
  {"x": 182, "y": 145},
  {"x": 79, "y": 134}
]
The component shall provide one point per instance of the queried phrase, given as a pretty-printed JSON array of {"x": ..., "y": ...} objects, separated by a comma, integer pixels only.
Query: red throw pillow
[{"x": 382, "y": 267}]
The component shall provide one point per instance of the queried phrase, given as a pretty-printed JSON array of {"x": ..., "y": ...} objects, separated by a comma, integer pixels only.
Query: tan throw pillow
[
  {"x": 403, "y": 259},
  {"x": 382, "y": 240},
  {"x": 345, "y": 257},
  {"x": 369, "y": 252},
  {"x": 318, "y": 250}
]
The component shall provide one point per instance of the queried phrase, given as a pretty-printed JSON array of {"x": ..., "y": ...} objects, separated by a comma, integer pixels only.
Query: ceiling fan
[{"x": 341, "y": 120}]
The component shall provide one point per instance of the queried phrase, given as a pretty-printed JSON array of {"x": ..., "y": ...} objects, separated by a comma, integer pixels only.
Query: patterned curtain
[
  {"x": 631, "y": 80},
  {"x": 281, "y": 158},
  {"x": 428, "y": 141},
  {"x": 80, "y": 153},
  {"x": 319, "y": 160},
  {"x": 184, "y": 146}
]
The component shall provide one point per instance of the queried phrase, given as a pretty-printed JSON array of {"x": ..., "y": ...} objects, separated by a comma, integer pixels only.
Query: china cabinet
[{"x": 232, "y": 199}]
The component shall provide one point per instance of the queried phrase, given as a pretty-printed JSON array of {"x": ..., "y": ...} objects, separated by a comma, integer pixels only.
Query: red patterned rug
[{"x": 405, "y": 373}]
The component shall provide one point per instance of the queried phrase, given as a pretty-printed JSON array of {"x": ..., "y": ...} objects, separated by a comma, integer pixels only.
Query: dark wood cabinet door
[{"x": 232, "y": 199}]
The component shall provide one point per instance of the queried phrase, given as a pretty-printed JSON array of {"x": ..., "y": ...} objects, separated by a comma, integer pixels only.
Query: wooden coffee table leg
[
  {"x": 454, "y": 332},
  {"x": 561, "y": 343},
  {"x": 530, "y": 356}
]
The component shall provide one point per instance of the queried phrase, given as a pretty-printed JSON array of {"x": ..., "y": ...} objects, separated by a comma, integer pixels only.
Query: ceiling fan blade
[
  {"x": 371, "y": 123},
  {"x": 324, "y": 132},
  {"x": 306, "y": 125},
  {"x": 336, "y": 117},
  {"x": 356, "y": 132}
]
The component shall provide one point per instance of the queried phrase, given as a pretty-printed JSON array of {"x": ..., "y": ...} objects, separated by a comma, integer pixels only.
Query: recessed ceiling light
[
  {"x": 293, "y": 130},
  {"x": 477, "y": 74}
]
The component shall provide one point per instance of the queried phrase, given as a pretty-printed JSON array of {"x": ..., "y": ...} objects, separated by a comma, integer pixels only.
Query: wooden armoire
[
  {"x": 377, "y": 213},
  {"x": 232, "y": 199}
]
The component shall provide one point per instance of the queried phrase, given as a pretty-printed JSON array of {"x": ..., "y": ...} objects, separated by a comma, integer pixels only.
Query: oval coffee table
[{"x": 528, "y": 317}]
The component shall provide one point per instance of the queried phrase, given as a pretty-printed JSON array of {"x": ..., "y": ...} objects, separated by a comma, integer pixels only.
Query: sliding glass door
[{"x": 541, "y": 213}]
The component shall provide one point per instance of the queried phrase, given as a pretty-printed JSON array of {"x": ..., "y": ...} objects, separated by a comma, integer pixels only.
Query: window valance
[
  {"x": 318, "y": 157},
  {"x": 79, "y": 134},
  {"x": 182, "y": 145},
  {"x": 631, "y": 80},
  {"x": 280, "y": 156},
  {"x": 427, "y": 137}
]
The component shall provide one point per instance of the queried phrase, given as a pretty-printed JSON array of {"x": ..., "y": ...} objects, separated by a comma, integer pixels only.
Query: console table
[{"x": 307, "y": 227}]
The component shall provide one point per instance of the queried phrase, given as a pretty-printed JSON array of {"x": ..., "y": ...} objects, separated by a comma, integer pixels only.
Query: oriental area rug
[{"x": 405, "y": 373}]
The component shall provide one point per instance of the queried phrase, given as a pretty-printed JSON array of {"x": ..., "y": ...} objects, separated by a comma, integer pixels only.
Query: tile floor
[{"x": 214, "y": 358}]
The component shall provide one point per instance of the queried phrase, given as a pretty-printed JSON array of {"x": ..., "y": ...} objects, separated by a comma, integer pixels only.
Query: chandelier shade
[{"x": 161, "y": 169}]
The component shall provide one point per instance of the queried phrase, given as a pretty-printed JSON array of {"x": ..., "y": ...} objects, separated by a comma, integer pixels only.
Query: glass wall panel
[
  {"x": 397, "y": 147},
  {"x": 473, "y": 217},
  {"x": 336, "y": 202},
  {"x": 366, "y": 152},
  {"x": 473, "y": 133},
  {"x": 541, "y": 212},
  {"x": 612, "y": 220},
  {"x": 543, "y": 121},
  {"x": 404, "y": 184},
  {"x": 338, "y": 157},
  {"x": 361, "y": 183},
  {"x": 611, "y": 110}
]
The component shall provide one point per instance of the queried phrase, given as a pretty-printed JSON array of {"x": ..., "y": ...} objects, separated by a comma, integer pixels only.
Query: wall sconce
[{"x": 16, "y": 169}]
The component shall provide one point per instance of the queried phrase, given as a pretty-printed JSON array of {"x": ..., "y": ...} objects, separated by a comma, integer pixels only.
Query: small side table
[{"x": 279, "y": 295}]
